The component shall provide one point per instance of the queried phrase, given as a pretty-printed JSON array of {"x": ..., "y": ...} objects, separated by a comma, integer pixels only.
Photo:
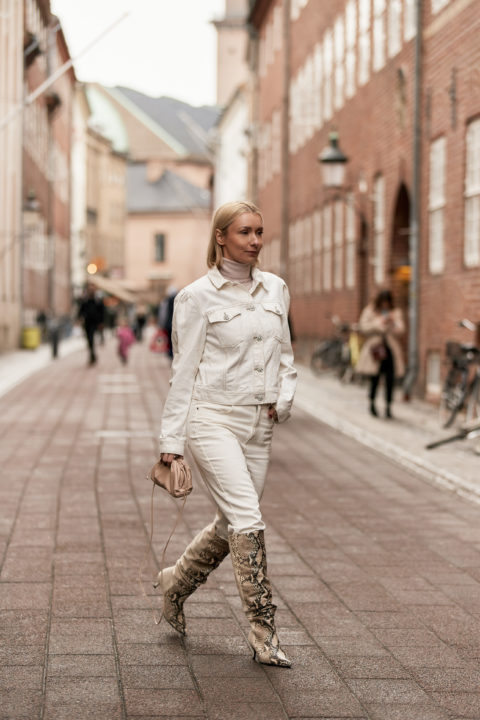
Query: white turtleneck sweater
[{"x": 236, "y": 272}]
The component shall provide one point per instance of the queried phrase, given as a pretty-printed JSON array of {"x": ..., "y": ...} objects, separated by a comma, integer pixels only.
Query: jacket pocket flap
[
  {"x": 273, "y": 307},
  {"x": 223, "y": 315}
]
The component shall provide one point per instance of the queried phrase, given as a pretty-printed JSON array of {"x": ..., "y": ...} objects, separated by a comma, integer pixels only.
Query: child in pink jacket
[{"x": 125, "y": 338}]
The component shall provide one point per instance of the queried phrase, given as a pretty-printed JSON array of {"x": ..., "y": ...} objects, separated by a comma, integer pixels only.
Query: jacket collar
[{"x": 218, "y": 280}]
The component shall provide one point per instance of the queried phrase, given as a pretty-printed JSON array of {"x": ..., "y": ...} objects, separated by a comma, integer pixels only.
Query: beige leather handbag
[{"x": 176, "y": 479}]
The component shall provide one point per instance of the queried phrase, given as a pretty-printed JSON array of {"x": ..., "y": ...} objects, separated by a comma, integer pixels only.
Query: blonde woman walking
[{"x": 232, "y": 380}]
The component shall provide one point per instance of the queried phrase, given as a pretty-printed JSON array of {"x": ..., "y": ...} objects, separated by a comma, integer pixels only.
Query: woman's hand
[
  {"x": 272, "y": 413},
  {"x": 167, "y": 458}
]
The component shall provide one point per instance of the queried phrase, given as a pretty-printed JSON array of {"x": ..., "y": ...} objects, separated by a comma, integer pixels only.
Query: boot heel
[{"x": 255, "y": 656}]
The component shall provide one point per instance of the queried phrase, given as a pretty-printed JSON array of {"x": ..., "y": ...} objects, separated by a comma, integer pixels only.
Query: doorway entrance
[{"x": 400, "y": 255}]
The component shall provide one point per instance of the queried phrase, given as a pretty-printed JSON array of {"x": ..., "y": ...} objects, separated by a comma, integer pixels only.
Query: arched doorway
[{"x": 400, "y": 253}]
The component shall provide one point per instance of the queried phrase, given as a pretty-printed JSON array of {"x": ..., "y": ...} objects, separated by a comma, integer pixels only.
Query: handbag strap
[{"x": 157, "y": 620}]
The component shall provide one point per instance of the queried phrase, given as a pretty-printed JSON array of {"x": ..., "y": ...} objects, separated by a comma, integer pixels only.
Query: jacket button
[
  {"x": 250, "y": 307},
  {"x": 226, "y": 317},
  {"x": 258, "y": 338},
  {"x": 259, "y": 369},
  {"x": 258, "y": 397}
]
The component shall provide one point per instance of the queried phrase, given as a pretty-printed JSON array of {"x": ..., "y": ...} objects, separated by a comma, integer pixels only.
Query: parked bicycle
[
  {"x": 338, "y": 353},
  {"x": 461, "y": 389}
]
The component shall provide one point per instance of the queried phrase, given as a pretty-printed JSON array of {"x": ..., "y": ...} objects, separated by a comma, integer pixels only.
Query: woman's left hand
[{"x": 272, "y": 413}]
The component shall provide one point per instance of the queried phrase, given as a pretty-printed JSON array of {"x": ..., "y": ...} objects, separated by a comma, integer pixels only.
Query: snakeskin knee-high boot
[
  {"x": 250, "y": 567},
  {"x": 204, "y": 554}
]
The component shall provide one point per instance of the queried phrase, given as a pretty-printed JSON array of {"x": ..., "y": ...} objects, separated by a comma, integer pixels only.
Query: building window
[
  {"x": 338, "y": 243},
  {"x": 318, "y": 85},
  {"x": 472, "y": 196},
  {"x": 409, "y": 19},
  {"x": 160, "y": 247},
  {"x": 327, "y": 247},
  {"x": 277, "y": 28},
  {"x": 363, "y": 41},
  {"x": 378, "y": 34},
  {"x": 292, "y": 134},
  {"x": 309, "y": 98},
  {"x": 379, "y": 229},
  {"x": 299, "y": 279},
  {"x": 276, "y": 142},
  {"x": 350, "y": 43},
  {"x": 394, "y": 27},
  {"x": 436, "y": 206},
  {"x": 434, "y": 374},
  {"x": 438, "y": 5},
  {"x": 294, "y": 10},
  {"x": 307, "y": 255},
  {"x": 327, "y": 75},
  {"x": 339, "y": 46},
  {"x": 317, "y": 251},
  {"x": 350, "y": 241}
]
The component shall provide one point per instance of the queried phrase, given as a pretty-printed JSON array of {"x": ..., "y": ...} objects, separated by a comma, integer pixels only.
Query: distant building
[
  {"x": 47, "y": 131},
  {"x": 234, "y": 95},
  {"x": 11, "y": 98},
  {"x": 169, "y": 179},
  {"x": 349, "y": 66}
]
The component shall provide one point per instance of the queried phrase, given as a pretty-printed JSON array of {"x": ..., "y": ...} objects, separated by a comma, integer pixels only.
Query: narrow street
[{"x": 376, "y": 573}]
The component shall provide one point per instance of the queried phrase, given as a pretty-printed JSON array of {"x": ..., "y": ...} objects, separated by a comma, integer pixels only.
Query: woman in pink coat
[{"x": 381, "y": 323}]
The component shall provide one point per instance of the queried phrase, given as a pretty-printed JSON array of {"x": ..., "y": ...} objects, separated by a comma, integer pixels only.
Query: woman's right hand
[{"x": 167, "y": 458}]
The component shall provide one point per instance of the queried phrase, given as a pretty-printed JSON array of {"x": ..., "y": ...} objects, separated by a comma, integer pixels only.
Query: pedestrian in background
[
  {"x": 126, "y": 338},
  {"x": 91, "y": 312},
  {"x": 381, "y": 355},
  {"x": 232, "y": 379},
  {"x": 165, "y": 316},
  {"x": 141, "y": 315}
]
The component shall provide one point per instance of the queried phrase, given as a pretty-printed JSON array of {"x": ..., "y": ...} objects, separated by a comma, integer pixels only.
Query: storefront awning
[{"x": 112, "y": 288}]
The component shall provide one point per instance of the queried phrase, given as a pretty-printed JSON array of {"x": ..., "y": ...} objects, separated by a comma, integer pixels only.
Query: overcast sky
[{"x": 161, "y": 48}]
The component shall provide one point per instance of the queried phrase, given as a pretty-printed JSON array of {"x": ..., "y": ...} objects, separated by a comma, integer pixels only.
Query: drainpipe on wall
[
  {"x": 285, "y": 161},
  {"x": 415, "y": 211}
]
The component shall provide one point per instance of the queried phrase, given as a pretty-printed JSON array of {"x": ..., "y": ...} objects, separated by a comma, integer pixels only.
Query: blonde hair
[{"x": 224, "y": 216}]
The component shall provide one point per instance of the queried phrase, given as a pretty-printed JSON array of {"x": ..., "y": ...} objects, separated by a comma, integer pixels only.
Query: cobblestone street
[{"x": 376, "y": 573}]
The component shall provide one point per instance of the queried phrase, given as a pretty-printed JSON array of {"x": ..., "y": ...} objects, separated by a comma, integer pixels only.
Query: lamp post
[{"x": 333, "y": 163}]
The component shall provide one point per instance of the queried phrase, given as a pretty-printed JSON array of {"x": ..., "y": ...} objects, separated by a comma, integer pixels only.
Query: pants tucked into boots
[
  {"x": 204, "y": 554},
  {"x": 250, "y": 567}
]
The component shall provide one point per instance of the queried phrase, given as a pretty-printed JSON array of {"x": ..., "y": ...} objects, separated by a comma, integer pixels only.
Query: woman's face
[{"x": 243, "y": 239}]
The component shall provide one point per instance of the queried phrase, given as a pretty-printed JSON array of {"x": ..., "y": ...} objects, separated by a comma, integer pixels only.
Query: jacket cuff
[
  {"x": 172, "y": 445},
  {"x": 283, "y": 411}
]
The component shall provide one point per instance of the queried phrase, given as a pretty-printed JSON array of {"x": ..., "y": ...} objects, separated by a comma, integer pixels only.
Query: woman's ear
[{"x": 219, "y": 237}]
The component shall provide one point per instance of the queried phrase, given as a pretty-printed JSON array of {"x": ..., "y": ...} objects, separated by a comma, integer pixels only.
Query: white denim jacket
[{"x": 231, "y": 346}]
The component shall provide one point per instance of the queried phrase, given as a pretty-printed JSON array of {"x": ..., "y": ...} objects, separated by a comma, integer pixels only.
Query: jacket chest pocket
[
  {"x": 227, "y": 325},
  {"x": 273, "y": 319}
]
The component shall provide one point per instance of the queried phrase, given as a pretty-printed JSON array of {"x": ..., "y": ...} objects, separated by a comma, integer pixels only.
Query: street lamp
[{"x": 333, "y": 163}]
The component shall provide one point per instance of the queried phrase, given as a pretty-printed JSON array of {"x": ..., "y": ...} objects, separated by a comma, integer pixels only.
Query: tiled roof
[
  {"x": 188, "y": 125},
  {"x": 170, "y": 193}
]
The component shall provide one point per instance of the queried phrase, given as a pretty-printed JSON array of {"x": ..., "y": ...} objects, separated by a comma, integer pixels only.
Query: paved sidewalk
[
  {"x": 16, "y": 366},
  {"x": 375, "y": 571},
  {"x": 345, "y": 408}
]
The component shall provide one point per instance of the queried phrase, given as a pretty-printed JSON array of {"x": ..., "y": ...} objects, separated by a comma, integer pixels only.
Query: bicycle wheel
[
  {"x": 453, "y": 395},
  {"x": 326, "y": 357},
  {"x": 473, "y": 404}
]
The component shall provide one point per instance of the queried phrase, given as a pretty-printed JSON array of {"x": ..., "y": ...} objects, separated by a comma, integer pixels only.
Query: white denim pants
[{"x": 231, "y": 447}]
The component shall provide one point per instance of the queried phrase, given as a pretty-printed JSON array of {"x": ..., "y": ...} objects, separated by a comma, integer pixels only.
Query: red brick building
[
  {"x": 355, "y": 66},
  {"x": 47, "y": 131}
]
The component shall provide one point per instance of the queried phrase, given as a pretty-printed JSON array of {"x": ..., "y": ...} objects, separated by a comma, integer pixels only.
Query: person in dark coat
[
  {"x": 165, "y": 316},
  {"x": 91, "y": 312}
]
